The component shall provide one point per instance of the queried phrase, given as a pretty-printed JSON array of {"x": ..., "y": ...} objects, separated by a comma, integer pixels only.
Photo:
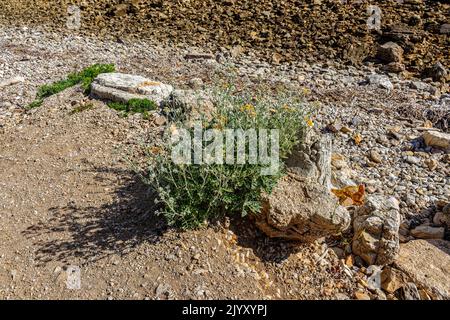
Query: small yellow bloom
[
  {"x": 249, "y": 109},
  {"x": 309, "y": 122},
  {"x": 223, "y": 120},
  {"x": 306, "y": 91},
  {"x": 357, "y": 138}
]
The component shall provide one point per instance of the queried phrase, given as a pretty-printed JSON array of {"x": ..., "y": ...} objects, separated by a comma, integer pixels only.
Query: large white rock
[{"x": 121, "y": 87}]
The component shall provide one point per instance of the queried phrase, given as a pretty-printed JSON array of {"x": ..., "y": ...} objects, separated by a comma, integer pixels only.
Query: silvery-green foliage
[{"x": 192, "y": 194}]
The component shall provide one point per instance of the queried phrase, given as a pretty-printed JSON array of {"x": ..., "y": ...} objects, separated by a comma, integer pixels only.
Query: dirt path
[{"x": 60, "y": 187}]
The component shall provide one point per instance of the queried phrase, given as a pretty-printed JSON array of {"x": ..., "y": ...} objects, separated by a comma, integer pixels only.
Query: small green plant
[
  {"x": 191, "y": 194},
  {"x": 134, "y": 106},
  {"x": 84, "y": 77},
  {"x": 36, "y": 103}
]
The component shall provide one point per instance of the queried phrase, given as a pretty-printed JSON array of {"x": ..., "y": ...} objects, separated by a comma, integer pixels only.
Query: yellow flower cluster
[{"x": 249, "y": 109}]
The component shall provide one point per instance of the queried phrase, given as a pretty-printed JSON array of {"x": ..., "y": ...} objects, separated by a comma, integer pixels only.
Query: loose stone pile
[{"x": 281, "y": 31}]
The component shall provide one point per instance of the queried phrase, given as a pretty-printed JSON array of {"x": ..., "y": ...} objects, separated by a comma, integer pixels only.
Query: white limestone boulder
[{"x": 121, "y": 87}]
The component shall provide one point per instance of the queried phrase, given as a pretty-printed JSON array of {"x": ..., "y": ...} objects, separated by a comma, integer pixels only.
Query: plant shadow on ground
[
  {"x": 91, "y": 233},
  {"x": 268, "y": 250}
]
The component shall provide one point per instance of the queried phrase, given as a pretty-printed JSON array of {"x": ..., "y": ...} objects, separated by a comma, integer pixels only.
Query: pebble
[
  {"x": 412, "y": 160},
  {"x": 428, "y": 232},
  {"x": 375, "y": 156},
  {"x": 361, "y": 295}
]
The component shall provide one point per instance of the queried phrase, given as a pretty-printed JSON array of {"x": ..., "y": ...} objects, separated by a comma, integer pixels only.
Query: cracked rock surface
[
  {"x": 376, "y": 226},
  {"x": 300, "y": 209}
]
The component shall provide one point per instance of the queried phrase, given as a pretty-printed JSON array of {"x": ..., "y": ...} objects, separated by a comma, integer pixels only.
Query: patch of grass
[
  {"x": 191, "y": 194},
  {"x": 36, "y": 103},
  {"x": 134, "y": 106},
  {"x": 81, "y": 108},
  {"x": 84, "y": 77}
]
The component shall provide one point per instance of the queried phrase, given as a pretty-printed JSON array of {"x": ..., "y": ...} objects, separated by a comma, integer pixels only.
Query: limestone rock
[
  {"x": 446, "y": 209},
  {"x": 375, "y": 156},
  {"x": 390, "y": 52},
  {"x": 341, "y": 174},
  {"x": 374, "y": 280},
  {"x": 121, "y": 9},
  {"x": 419, "y": 85},
  {"x": 301, "y": 209},
  {"x": 442, "y": 219},
  {"x": 437, "y": 72},
  {"x": 11, "y": 81},
  {"x": 437, "y": 139},
  {"x": 391, "y": 279},
  {"x": 410, "y": 292},
  {"x": 445, "y": 28},
  {"x": 380, "y": 81},
  {"x": 395, "y": 67},
  {"x": 359, "y": 295},
  {"x": 428, "y": 232},
  {"x": 122, "y": 87},
  {"x": 376, "y": 226},
  {"x": 312, "y": 159},
  {"x": 191, "y": 104},
  {"x": 427, "y": 262}
]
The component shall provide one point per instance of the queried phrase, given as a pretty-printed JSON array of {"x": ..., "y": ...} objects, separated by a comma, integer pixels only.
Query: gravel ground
[{"x": 69, "y": 198}]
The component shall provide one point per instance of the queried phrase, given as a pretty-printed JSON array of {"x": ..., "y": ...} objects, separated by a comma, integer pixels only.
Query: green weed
[{"x": 84, "y": 77}]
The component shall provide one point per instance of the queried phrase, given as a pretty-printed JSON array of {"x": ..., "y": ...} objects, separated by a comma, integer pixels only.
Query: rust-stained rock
[
  {"x": 392, "y": 279},
  {"x": 437, "y": 139}
]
